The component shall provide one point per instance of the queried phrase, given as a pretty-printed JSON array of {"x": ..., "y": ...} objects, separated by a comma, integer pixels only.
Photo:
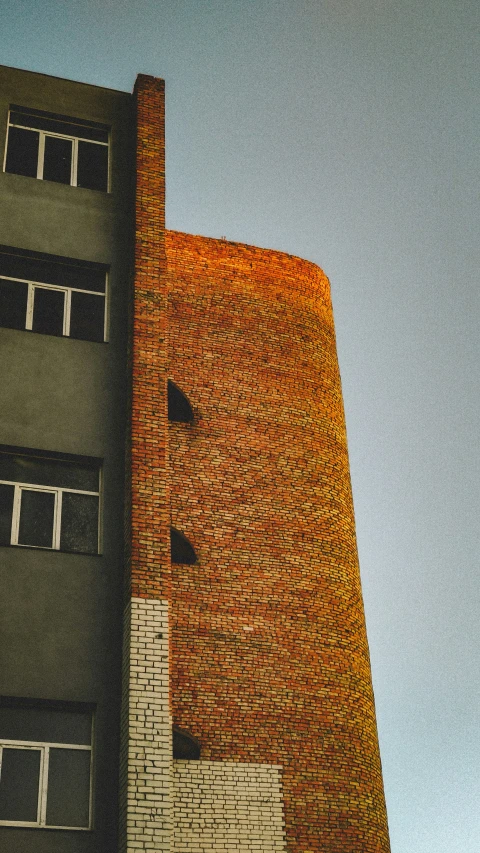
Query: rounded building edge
[{"x": 272, "y": 263}]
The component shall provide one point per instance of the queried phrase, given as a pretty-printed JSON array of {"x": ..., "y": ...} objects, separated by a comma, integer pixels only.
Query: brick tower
[{"x": 245, "y": 626}]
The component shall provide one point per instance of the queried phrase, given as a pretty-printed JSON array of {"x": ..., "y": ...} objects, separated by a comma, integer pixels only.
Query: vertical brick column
[
  {"x": 146, "y": 722},
  {"x": 149, "y": 532}
]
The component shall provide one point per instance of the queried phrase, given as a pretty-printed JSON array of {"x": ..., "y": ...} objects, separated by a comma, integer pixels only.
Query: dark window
[
  {"x": 185, "y": 746},
  {"x": 57, "y": 160},
  {"x": 179, "y": 408},
  {"x": 79, "y": 523},
  {"x": 22, "y": 152},
  {"x": 6, "y": 511},
  {"x": 45, "y": 755},
  {"x": 180, "y": 548},
  {"x": 13, "y": 303},
  {"x": 57, "y": 148},
  {"x": 37, "y": 515},
  {"x": 52, "y": 296},
  {"x": 53, "y": 123},
  {"x": 19, "y": 784},
  {"x": 92, "y": 168},
  {"x": 48, "y": 311},
  {"x": 68, "y": 773},
  {"x": 49, "y": 502},
  {"x": 87, "y": 317}
]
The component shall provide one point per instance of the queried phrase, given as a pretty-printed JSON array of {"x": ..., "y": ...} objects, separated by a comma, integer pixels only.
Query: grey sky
[{"x": 345, "y": 131}]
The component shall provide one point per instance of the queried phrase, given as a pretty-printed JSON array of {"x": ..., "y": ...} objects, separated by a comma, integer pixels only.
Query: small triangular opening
[
  {"x": 180, "y": 548},
  {"x": 179, "y": 408},
  {"x": 185, "y": 746}
]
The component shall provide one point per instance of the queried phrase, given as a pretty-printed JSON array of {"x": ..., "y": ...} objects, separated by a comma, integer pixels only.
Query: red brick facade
[
  {"x": 269, "y": 656},
  {"x": 269, "y": 653}
]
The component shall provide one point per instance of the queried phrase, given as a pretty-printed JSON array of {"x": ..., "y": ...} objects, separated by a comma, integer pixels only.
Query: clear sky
[{"x": 346, "y": 131}]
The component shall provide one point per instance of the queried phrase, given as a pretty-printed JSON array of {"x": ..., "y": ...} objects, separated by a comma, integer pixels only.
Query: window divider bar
[
  {"x": 30, "y": 301},
  {"x": 41, "y": 154},
  {"x": 43, "y": 787},
  {"x": 67, "y": 311},
  {"x": 73, "y": 179},
  {"x": 57, "y": 520},
  {"x": 17, "y": 498}
]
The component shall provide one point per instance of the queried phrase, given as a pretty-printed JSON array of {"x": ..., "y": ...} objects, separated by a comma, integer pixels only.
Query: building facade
[{"x": 184, "y": 662}]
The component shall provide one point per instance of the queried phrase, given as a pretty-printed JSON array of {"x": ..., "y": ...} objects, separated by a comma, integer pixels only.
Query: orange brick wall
[
  {"x": 150, "y": 544},
  {"x": 269, "y": 653}
]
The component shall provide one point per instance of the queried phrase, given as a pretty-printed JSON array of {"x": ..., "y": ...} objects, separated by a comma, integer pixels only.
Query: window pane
[
  {"x": 6, "y": 507},
  {"x": 68, "y": 795},
  {"x": 85, "y": 277},
  {"x": 48, "y": 472},
  {"x": 44, "y": 724},
  {"x": 57, "y": 124},
  {"x": 48, "y": 308},
  {"x": 22, "y": 153},
  {"x": 87, "y": 317},
  {"x": 92, "y": 169},
  {"x": 13, "y": 304},
  {"x": 36, "y": 518},
  {"x": 79, "y": 529},
  {"x": 57, "y": 161},
  {"x": 19, "y": 784}
]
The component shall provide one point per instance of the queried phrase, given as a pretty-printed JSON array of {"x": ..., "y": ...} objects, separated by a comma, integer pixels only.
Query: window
[
  {"x": 185, "y": 746},
  {"x": 45, "y": 761},
  {"x": 179, "y": 408},
  {"x": 52, "y": 296},
  {"x": 180, "y": 548},
  {"x": 49, "y": 502},
  {"x": 57, "y": 148}
]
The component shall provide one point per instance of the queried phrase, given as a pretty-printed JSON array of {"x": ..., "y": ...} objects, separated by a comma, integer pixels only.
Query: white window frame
[
  {"x": 41, "y": 149},
  {"x": 67, "y": 304},
  {"x": 44, "y": 748},
  {"x": 57, "y": 491}
]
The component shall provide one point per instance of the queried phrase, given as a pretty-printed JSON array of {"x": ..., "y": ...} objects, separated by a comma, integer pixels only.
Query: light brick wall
[
  {"x": 148, "y": 735},
  {"x": 227, "y": 806}
]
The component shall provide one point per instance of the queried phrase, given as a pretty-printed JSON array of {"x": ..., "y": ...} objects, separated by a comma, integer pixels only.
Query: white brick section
[
  {"x": 146, "y": 773},
  {"x": 227, "y": 806}
]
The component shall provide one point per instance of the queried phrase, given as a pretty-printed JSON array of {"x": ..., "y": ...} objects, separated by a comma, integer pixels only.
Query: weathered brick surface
[
  {"x": 228, "y": 807},
  {"x": 149, "y": 485},
  {"x": 269, "y": 652}
]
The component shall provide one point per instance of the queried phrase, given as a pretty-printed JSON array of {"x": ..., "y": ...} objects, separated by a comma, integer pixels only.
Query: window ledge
[{"x": 48, "y": 550}]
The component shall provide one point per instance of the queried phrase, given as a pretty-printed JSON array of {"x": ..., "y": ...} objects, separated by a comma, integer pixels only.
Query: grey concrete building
[{"x": 65, "y": 272}]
